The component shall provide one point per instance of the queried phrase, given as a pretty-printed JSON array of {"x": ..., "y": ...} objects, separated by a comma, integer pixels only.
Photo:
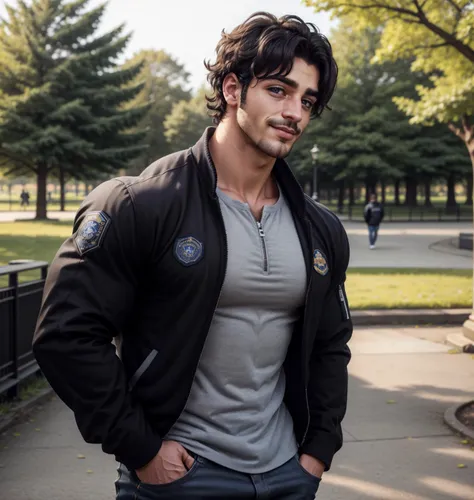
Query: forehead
[
  {"x": 305, "y": 75},
  {"x": 302, "y": 71}
]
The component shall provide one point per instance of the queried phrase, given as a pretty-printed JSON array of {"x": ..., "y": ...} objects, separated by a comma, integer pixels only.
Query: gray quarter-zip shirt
[{"x": 235, "y": 414}]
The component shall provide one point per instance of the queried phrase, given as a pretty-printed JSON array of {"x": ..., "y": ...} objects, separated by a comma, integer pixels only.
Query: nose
[{"x": 292, "y": 110}]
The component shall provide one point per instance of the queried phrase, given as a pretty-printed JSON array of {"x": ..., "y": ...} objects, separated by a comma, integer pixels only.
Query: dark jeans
[
  {"x": 207, "y": 480},
  {"x": 373, "y": 233}
]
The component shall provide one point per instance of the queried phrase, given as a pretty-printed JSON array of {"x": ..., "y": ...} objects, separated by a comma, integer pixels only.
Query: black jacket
[
  {"x": 373, "y": 213},
  {"x": 124, "y": 274}
]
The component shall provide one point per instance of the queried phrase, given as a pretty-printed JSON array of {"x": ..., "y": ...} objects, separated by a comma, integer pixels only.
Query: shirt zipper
[{"x": 264, "y": 246}]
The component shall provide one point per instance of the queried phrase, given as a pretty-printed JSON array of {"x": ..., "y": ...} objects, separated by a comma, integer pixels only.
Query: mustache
[{"x": 276, "y": 122}]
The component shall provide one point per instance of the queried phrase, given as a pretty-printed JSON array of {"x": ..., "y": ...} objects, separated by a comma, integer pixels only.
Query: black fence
[
  {"x": 417, "y": 214},
  {"x": 19, "y": 306}
]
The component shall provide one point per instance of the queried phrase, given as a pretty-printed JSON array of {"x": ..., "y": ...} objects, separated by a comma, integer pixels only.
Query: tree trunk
[
  {"x": 451, "y": 200},
  {"x": 397, "y": 192},
  {"x": 370, "y": 188},
  {"x": 41, "y": 182},
  {"x": 77, "y": 189},
  {"x": 329, "y": 191},
  {"x": 466, "y": 134},
  {"x": 62, "y": 184},
  {"x": 351, "y": 194},
  {"x": 427, "y": 186},
  {"x": 340, "y": 196},
  {"x": 383, "y": 188},
  {"x": 411, "y": 192},
  {"x": 469, "y": 190}
]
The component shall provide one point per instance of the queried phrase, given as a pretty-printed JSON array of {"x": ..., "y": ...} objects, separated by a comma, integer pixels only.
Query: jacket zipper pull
[{"x": 342, "y": 300}]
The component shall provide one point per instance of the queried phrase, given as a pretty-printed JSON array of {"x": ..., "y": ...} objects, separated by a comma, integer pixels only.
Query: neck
[{"x": 241, "y": 168}]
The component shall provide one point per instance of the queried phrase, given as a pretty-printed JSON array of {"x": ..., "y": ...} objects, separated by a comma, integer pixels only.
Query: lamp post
[{"x": 314, "y": 157}]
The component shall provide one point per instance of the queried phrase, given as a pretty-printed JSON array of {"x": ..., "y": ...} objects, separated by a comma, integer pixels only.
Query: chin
[{"x": 275, "y": 148}]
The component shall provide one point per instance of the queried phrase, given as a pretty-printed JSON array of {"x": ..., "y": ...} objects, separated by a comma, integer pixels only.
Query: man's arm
[
  {"x": 328, "y": 377},
  {"x": 87, "y": 300},
  {"x": 367, "y": 213}
]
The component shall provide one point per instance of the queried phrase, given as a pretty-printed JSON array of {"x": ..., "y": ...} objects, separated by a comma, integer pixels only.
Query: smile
[{"x": 285, "y": 132}]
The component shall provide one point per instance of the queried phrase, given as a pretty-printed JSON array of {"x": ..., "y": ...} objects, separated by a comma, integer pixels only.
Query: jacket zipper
[
  {"x": 308, "y": 415},
  {"x": 342, "y": 299},
  {"x": 264, "y": 246}
]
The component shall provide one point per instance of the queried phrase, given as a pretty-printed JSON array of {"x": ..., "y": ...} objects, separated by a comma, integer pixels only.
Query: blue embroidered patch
[
  {"x": 188, "y": 250},
  {"x": 91, "y": 231},
  {"x": 319, "y": 262}
]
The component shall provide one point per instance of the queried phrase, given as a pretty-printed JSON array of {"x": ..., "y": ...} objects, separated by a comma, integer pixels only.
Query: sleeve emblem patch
[
  {"x": 320, "y": 263},
  {"x": 91, "y": 232}
]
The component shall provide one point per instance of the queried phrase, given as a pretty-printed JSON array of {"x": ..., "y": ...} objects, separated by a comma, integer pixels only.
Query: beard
[{"x": 274, "y": 148}]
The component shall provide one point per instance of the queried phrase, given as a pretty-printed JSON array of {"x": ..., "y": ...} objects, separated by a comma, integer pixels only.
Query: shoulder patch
[
  {"x": 91, "y": 232},
  {"x": 320, "y": 263},
  {"x": 188, "y": 250}
]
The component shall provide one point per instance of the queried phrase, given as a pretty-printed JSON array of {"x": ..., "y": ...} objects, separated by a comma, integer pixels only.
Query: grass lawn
[
  {"x": 31, "y": 240},
  {"x": 373, "y": 288},
  {"x": 367, "y": 288}
]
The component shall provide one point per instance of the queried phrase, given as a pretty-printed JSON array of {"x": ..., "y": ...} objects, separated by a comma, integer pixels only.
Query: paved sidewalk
[
  {"x": 397, "y": 446},
  {"x": 422, "y": 245},
  {"x": 30, "y": 214}
]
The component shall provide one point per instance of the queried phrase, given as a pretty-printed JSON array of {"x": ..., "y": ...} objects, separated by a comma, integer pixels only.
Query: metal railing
[
  {"x": 19, "y": 307},
  {"x": 417, "y": 214}
]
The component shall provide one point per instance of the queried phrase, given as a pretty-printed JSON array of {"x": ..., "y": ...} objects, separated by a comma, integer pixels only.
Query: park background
[
  {"x": 89, "y": 100},
  {"x": 92, "y": 90}
]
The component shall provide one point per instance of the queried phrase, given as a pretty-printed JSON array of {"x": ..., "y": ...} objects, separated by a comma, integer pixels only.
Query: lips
[{"x": 285, "y": 132}]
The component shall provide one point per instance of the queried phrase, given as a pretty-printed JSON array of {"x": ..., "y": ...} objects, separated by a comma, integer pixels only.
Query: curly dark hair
[{"x": 265, "y": 46}]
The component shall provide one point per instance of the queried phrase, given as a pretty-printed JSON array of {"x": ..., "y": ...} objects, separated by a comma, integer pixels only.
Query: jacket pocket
[{"x": 146, "y": 363}]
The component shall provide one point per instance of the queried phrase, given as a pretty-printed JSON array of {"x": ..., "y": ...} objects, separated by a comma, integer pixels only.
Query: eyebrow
[{"x": 293, "y": 84}]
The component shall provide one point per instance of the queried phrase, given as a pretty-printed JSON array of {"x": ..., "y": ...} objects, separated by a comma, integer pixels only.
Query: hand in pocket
[{"x": 170, "y": 464}]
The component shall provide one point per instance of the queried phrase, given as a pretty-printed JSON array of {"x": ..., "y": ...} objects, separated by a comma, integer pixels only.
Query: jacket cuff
[
  {"x": 138, "y": 451},
  {"x": 323, "y": 447}
]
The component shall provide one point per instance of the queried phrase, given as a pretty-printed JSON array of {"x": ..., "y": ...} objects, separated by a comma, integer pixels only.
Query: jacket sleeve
[
  {"x": 367, "y": 213},
  {"x": 87, "y": 300},
  {"x": 328, "y": 377}
]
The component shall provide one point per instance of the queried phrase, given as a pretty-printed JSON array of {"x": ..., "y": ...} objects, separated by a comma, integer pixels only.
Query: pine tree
[
  {"x": 62, "y": 93},
  {"x": 187, "y": 121},
  {"x": 165, "y": 85}
]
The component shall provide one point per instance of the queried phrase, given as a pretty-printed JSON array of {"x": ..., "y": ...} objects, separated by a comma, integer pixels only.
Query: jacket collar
[{"x": 284, "y": 176}]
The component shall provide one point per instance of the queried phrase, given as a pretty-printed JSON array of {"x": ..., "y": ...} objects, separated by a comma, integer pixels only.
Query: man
[
  {"x": 373, "y": 215},
  {"x": 224, "y": 285}
]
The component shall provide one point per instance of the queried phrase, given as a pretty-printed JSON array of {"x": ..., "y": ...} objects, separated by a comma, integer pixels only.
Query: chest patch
[
  {"x": 91, "y": 232},
  {"x": 188, "y": 250},
  {"x": 320, "y": 263}
]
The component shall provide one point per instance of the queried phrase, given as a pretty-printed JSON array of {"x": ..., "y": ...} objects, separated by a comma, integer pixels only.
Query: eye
[
  {"x": 307, "y": 103},
  {"x": 277, "y": 90}
]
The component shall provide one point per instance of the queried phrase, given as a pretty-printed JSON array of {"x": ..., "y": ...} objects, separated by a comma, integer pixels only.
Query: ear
[{"x": 231, "y": 89}]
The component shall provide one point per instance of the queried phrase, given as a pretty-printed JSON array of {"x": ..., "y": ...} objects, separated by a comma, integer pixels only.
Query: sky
[{"x": 189, "y": 30}]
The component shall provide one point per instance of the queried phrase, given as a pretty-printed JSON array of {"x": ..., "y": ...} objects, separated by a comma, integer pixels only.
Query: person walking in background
[
  {"x": 23, "y": 198},
  {"x": 373, "y": 215},
  {"x": 223, "y": 285}
]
